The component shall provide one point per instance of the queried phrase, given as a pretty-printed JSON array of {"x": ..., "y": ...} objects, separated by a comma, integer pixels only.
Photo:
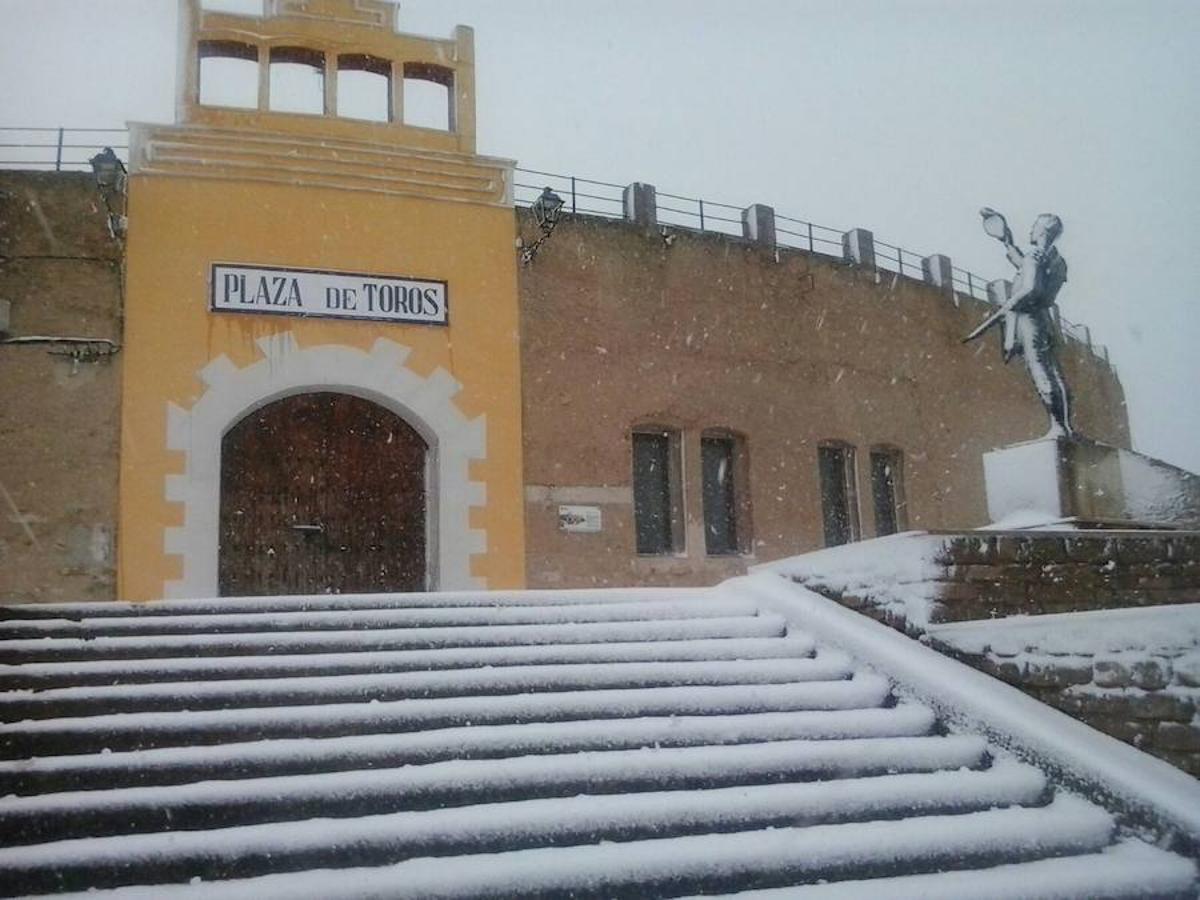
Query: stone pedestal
[{"x": 1077, "y": 479}]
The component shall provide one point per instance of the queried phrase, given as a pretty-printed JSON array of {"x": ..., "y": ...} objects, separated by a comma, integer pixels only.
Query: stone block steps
[{"x": 591, "y": 744}]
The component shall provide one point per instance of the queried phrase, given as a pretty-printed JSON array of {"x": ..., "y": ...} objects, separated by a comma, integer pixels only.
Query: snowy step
[
  {"x": 589, "y": 744},
  {"x": 1129, "y": 869},
  {"x": 176, "y": 765},
  {"x": 134, "y": 671},
  {"x": 129, "y": 731},
  {"x": 706, "y": 862},
  {"x": 362, "y": 641},
  {"x": 250, "y": 850},
  {"x": 356, "y": 793},
  {"x": 231, "y": 694},
  {"x": 344, "y": 620},
  {"x": 317, "y": 602}
]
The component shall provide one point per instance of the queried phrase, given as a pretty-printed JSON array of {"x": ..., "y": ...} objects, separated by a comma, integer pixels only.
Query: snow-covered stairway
[{"x": 585, "y": 744}]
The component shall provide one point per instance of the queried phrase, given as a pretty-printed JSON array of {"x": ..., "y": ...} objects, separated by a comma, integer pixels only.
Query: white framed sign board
[{"x": 314, "y": 293}]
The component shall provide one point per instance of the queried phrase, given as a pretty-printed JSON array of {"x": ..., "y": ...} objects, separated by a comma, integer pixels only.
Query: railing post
[
  {"x": 758, "y": 225},
  {"x": 811, "y": 246},
  {"x": 900, "y": 260},
  {"x": 641, "y": 205},
  {"x": 701, "y": 202},
  {"x": 58, "y": 152},
  {"x": 938, "y": 270},
  {"x": 858, "y": 247},
  {"x": 998, "y": 291},
  {"x": 970, "y": 286},
  {"x": 572, "y": 194}
]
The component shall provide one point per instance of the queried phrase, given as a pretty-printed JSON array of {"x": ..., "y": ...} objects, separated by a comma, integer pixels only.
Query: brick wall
[
  {"x": 786, "y": 350},
  {"x": 1146, "y": 693},
  {"x": 985, "y": 575},
  {"x": 1148, "y": 699},
  {"x": 60, "y": 268}
]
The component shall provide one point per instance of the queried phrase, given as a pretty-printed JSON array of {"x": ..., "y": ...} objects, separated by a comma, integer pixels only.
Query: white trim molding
[{"x": 286, "y": 369}]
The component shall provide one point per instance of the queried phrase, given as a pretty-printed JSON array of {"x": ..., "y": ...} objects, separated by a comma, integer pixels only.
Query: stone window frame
[
  {"x": 244, "y": 51},
  {"x": 899, "y": 497},
  {"x": 742, "y": 524},
  {"x": 433, "y": 74},
  {"x": 851, "y": 493},
  {"x": 373, "y": 65},
  {"x": 329, "y": 61},
  {"x": 294, "y": 54},
  {"x": 676, "y": 544}
]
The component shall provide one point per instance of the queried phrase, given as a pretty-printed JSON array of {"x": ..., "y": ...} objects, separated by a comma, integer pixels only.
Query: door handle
[{"x": 314, "y": 528}]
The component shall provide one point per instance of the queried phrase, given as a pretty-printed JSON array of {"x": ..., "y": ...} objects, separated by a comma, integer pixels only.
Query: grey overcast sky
[{"x": 903, "y": 117}]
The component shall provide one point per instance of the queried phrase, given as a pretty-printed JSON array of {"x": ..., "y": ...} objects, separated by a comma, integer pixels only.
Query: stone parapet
[
  {"x": 988, "y": 574},
  {"x": 1147, "y": 697},
  {"x": 1103, "y": 625}
]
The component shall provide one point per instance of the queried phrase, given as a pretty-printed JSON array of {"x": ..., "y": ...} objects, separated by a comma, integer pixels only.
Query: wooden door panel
[{"x": 322, "y": 493}]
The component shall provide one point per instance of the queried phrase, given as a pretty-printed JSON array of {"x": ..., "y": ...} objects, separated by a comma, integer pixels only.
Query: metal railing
[
  {"x": 70, "y": 149},
  {"x": 58, "y": 149},
  {"x": 605, "y": 198}
]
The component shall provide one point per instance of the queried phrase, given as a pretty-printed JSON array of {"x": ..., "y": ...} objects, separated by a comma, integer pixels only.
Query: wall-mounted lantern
[
  {"x": 110, "y": 179},
  {"x": 547, "y": 209}
]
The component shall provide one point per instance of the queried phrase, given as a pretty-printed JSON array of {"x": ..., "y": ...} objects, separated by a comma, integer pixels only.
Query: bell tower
[{"x": 336, "y": 39}]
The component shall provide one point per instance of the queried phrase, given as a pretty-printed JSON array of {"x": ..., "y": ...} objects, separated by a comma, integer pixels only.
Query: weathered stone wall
[
  {"x": 620, "y": 329},
  {"x": 1133, "y": 673},
  {"x": 987, "y": 575},
  {"x": 1149, "y": 700},
  {"x": 61, "y": 272}
]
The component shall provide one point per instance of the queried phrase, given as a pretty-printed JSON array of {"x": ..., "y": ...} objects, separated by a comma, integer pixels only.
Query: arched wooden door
[{"x": 322, "y": 493}]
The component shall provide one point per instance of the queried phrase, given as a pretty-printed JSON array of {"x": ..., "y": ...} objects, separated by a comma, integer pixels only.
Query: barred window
[
  {"x": 724, "y": 482},
  {"x": 839, "y": 495},
  {"x": 657, "y": 492},
  {"x": 887, "y": 490}
]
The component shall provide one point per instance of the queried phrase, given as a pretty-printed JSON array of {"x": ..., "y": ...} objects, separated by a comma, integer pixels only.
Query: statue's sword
[{"x": 994, "y": 319}]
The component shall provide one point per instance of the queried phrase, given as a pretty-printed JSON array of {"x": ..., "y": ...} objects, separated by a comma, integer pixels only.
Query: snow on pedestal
[
  {"x": 1024, "y": 479},
  {"x": 1056, "y": 478}
]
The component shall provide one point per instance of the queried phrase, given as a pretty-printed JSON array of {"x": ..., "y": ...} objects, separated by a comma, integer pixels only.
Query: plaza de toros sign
[{"x": 334, "y": 295}]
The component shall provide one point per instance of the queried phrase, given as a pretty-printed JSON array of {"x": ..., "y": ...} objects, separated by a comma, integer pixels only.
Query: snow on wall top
[
  {"x": 895, "y": 572},
  {"x": 1165, "y": 630}
]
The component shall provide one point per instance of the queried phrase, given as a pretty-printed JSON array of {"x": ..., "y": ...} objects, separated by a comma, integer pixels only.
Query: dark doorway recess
[{"x": 322, "y": 493}]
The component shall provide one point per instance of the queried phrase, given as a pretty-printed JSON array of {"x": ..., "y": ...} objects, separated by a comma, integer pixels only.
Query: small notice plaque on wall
[
  {"x": 581, "y": 519},
  {"x": 331, "y": 295}
]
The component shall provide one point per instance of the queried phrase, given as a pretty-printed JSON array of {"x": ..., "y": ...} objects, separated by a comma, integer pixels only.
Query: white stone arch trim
[{"x": 286, "y": 369}]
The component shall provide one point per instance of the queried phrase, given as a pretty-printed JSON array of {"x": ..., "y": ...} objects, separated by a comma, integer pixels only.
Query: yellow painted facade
[{"x": 275, "y": 190}]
